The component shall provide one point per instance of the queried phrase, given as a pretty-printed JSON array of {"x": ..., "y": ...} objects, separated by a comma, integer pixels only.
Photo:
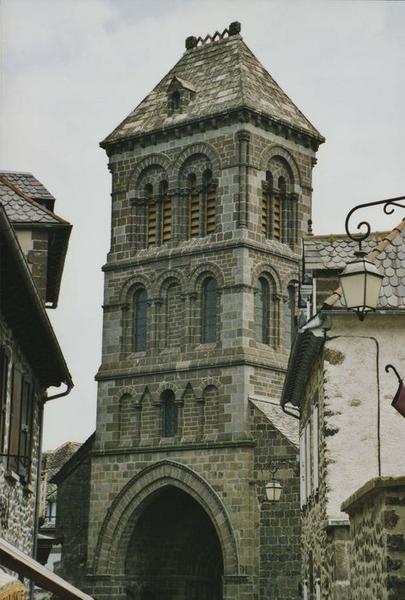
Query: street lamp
[
  {"x": 360, "y": 280},
  {"x": 273, "y": 487}
]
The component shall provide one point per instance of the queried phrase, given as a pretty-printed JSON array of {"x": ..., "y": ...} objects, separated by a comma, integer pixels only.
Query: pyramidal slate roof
[{"x": 225, "y": 75}]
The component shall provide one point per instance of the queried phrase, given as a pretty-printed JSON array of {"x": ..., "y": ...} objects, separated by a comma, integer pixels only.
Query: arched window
[
  {"x": 262, "y": 311},
  {"x": 194, "y": 206},
  {"x": 209, "y": 311},
  {"x": 209, "y": 203},
  {"x": 151, "y": 215},
  {"x": 140, "y": 320},
  {"x": 169, "y": 414},
  {"x": 290, "y": 316},
  {"x": 166, "y": 215}
]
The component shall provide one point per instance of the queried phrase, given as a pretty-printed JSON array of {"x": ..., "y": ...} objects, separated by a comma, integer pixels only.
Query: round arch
[
  {"x": 152, "y": 160},
  {"x": 206, "y": 269},
  {"x": 200, "y": 148},
  {"x": 122, "y": 516},
  {"x": 278, "y": 151}
]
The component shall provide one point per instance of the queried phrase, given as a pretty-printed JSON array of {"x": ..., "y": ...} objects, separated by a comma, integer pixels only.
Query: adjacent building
[
  {"x": 211, "y": 195},
  {"x": 350, "y": 435},
  {"x": 33, "y": 242}
]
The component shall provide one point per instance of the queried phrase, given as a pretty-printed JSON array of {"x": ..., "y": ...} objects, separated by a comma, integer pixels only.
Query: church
[{"x": 211, "y": 197}]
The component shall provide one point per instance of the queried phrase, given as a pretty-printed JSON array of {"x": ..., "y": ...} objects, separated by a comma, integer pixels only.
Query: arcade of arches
[{"x": 174, "y": 552}]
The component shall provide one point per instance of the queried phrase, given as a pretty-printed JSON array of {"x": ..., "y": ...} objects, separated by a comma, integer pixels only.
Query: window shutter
[
  {"x": 303, "y": 470},
  {"x": 4, "y": 363},
  {"x": 308, "y": 461},
  {"x": 315, "y": 446},
  {"x": 166, "y": 219},
  {"x": 265, "y": 213},
  {"x": 152, "y": 219},
  {"x": 15, "y": 419},
  {"x": 211, "y": 210},
  {"x": 194, "y": 213},
  {"x": 277, "y": 217},
  {"x": 24, "y": 451}
]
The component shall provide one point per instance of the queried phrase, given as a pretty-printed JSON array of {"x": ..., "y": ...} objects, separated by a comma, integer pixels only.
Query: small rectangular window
[
  {"x": 194, "y": 214},
  {"x": 166, "y": 219}
]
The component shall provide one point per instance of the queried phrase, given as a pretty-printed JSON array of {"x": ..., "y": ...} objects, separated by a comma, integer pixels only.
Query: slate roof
[
  {"x": 226, "y": 75},
  {"x": 19, "y": 205},
  {"x": 28, "y": 184},
  {"x": 335, "y": 251},
  {"x": 53, "y": 461},
  {"x": 287, "y": 425}
]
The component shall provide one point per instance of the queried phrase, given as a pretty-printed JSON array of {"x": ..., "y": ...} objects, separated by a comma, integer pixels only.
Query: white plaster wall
[{"x": 351, "y": 404}]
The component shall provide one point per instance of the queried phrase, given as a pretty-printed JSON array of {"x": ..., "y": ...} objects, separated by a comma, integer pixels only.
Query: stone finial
[
  {"x": 191, "y": 42},
  {"x": 234, "y": 28}
]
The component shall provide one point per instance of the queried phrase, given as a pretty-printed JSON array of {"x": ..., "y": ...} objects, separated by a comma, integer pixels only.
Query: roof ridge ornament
[{"x": 194, "y": 42}]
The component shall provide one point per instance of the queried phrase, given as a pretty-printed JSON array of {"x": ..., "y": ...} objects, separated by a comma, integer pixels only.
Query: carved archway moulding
[{"x": 127, "y": 507}]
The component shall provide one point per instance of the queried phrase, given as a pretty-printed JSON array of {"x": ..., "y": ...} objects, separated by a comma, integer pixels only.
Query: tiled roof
[
  {"x": 226, "y": 75},
  {"x": 20, "y": 210},
  {"x": 287, "y": 425},
  {"x": 28, "y": 184},
  {"x": 54, "y": 460},
  {"x": 334, "y": 252}
]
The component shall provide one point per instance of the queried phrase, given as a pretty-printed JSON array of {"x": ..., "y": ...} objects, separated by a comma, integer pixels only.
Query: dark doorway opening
[{"x": 174, "y": 552}]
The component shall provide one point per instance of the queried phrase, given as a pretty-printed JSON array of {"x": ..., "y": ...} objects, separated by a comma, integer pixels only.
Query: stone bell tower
[{"x": 211, "y": 193}]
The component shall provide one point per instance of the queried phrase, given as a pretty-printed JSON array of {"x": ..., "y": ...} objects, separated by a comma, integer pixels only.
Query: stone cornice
[
  {"x": 151, "y": 369},
  {"x": 213, "y": 248},
  {"x": 240, "y": 115},
  {"x": 178, "y": 447}
]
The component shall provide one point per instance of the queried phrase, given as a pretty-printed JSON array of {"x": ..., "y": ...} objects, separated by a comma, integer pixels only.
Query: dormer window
[
  {"x": 176, "y": 99},
  {"x": 179, "y": 94}
]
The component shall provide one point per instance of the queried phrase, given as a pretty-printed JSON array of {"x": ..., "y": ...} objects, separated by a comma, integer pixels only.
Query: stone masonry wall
[
  {"x": 279, "y": 523},
  {"x": 72, "y": 517},
  {"x": 377, "y": 540}
]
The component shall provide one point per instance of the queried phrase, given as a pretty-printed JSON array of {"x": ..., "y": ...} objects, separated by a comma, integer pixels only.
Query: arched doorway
[{"x": 174, "y": 552}]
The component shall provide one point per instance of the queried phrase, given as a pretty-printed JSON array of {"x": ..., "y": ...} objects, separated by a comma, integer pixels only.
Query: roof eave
[
  {"x": 59, "y": 373},
  {"x": 314, "y": 135},
  {"x": 306, "y": 349}
]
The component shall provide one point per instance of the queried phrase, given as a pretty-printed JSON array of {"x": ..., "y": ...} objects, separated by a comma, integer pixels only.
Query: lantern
[{"x": 361, "y": 283}]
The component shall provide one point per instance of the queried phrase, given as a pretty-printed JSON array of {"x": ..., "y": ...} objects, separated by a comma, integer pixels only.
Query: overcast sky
[{"x": 73, "y": 69}]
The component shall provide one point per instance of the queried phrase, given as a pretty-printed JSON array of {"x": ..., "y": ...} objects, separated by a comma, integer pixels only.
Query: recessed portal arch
[
  {"x": 128, "y": 509},
  {"x": 174, "y": 551}
]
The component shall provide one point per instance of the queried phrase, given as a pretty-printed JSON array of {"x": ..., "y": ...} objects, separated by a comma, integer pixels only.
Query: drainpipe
[{"x": 42, "y": 403}]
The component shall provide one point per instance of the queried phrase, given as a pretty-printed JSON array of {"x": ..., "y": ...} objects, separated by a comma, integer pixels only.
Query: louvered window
[
  {"x": 277, "y": 217},
  {"x": 140, "y": 320},
  {"x": 210, "y": 203},
  {"x": 262, "y": 309},
  {"x": 266, "y": 204},
  {"x": 209, "y": 311},
  {"x": 194, "y": 203},
  {"x": 169, "y": 416},
  {"x": 151, "y": 216},
  {"x": 166, "y": 220}
]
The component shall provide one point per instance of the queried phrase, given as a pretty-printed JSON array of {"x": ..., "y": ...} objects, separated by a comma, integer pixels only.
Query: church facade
[{"x": 211, "y": 195}]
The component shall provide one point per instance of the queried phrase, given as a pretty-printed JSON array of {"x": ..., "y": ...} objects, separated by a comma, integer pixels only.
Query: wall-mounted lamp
[
  {"x": 399, "y": 399},
  {"x": 274, "y": 487},
  {"x": 360, "y": 280}
]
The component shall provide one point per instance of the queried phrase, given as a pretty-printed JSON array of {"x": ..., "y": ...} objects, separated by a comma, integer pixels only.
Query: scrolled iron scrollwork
[{"x": 389, "y": 206}]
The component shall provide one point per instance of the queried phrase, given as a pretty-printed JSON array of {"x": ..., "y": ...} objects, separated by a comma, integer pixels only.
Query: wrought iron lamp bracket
[
  {"x": 392, "y": 368},
  {"x": 389, "y": 205}
]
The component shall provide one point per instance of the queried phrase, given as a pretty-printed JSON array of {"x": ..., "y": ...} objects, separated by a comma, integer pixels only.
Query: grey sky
[{"x": 73, "y": 69}]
